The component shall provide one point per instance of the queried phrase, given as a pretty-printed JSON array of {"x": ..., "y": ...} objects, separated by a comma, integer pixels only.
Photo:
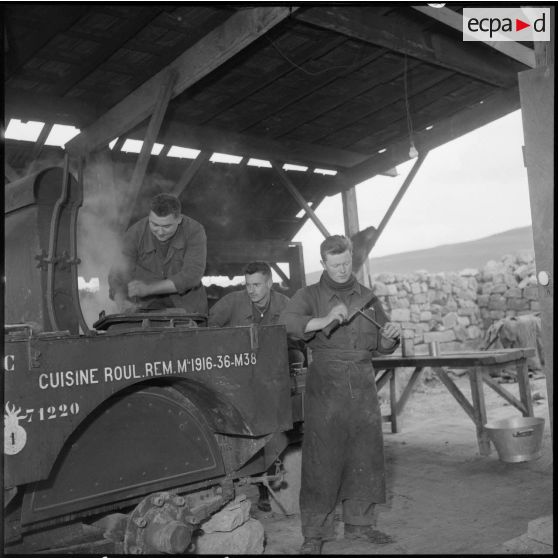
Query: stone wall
[{"x": 456, "y": 308}]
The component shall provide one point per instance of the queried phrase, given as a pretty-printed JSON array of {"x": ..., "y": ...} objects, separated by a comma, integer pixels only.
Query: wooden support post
[
  {"x": 408, "y": 389},
  {"x": 298, "y": 197},
  {"x": 393, "y": 402},
  {"x": 382, "y": 379},
  {"x": 296, "y": 266},
  {"x": 148, "y": 141},
  {"x": 404, "y": 187},
  {"x": 280, "y": 272},
  {"x": 190, "y": 172},
  {"x": 506, "y": 395},
  {"x": 524, "y": 387},
  {"x": 536, "y": 89},
  {"x": 477, "y": 395},
  {"x": 456, "y": 392},
  {"x": 350, "y": 217},
  {"x": 39, "y": 144}
]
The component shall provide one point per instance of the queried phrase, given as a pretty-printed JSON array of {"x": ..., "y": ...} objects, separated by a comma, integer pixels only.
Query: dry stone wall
[{"x": 456, "y": 308}]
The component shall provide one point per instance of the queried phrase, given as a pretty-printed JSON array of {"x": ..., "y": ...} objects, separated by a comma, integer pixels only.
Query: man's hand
[
  {"x": 390, "y": 331},
  {"x": 138, "y": 288},
  {"x": 338, "y": 312}
]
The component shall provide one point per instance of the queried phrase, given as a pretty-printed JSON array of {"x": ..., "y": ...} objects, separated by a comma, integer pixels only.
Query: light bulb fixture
[{"x": 413, "y": 153}]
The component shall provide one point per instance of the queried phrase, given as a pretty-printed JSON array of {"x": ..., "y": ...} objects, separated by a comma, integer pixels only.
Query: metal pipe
[{"x": 52, "y": 244}]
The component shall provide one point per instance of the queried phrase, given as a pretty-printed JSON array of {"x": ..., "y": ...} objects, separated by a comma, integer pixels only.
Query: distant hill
[{"x": 452, "y": 257}]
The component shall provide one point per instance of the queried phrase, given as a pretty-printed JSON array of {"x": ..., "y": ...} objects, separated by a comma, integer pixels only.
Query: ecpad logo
[{"x": 506, "y": 24}]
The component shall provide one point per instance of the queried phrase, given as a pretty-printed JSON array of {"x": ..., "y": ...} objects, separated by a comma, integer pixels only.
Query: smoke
[{"x": 99, "y": 236}]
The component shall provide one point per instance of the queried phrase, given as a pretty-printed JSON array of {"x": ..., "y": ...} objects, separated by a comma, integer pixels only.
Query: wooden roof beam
[
  {"x": 454, "y": 19},
  {"x": 210, "y": 52},
  {"x": 464, "y": 121},
  {"x": 247, "y": 145},
  {"x": 411, "y": 39},
  {"x": 48, "y": 108}
]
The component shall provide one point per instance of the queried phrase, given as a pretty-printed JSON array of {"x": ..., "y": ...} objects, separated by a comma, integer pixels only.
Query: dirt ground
[{"x": 443, "y": 497}]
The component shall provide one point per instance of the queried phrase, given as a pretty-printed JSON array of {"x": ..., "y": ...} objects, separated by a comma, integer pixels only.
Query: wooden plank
[
  {"x": 408, "y": 389},
  {"x": 384, "y": 376},
  {"x": 296, "y": 266},
  {"x": 461, "y": 123},
  {"x": 311, "y": 50},
  {"x": 298, "y": 197},
  {"x": 393, "y": 402},
  {"x": 395, "y": 202},
  {"x": 26, "y": 105},
  {"x": 524, "y": 386},
  {"x": 375, "y": 107},
  {"x": 289, "y": 92},
  {"x": 141, "y": 16},
  {"x": 40, "y": 142},
  {"x": 505, "y": 394},
  {"x": 140, "y": 168},
  {"x": 454, "y": 19},
  {"x": 464, "y": 359},
  {"x": 457, "y": 394},
  {"x": 213, "y": 50},
  {"x": 281, "y": 273},
  {"x": 413, "y": 40},
  {"x": 477, "y": 395},
  {"x": 190, "y": 172},
  {"x": 350, "y": 218},
  {"x": 250, "y": 145},
  {"x": 39, "y": 37}
]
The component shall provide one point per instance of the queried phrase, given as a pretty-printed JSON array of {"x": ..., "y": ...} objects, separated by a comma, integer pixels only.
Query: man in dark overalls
[{"x": 342, "y": 450}]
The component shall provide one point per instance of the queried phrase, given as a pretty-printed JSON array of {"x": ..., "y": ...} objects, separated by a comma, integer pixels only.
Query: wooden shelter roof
[{"x": 325, "y": 86}]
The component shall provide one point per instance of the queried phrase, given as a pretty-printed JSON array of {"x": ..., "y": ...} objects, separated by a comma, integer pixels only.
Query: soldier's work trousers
[{"x": 342, "y": 448}]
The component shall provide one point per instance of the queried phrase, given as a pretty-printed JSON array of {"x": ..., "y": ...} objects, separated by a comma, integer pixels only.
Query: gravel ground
[{"x": 443, "y": 497}]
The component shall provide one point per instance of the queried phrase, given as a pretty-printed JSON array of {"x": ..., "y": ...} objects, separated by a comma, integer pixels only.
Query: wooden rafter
[
  {"x": 454, "y": 19},
  {"x": 299, "y": 198},
  {"x": 48, "y": 108},
  {"x": 190, "y": 172},
  {"x": 464, "y": 121},
  {"x": 41, "y": 36},
  {"x": 410, "y": 39},
  {"x": 206, "y": 138},
  {"x": 206, "y": 55},
  {"x": 148, "y": 141},
  {"x": 126, "y": 31}
]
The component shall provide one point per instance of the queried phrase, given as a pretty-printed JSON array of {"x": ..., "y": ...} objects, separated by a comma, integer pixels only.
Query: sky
[{"x": 469, "y": 188}]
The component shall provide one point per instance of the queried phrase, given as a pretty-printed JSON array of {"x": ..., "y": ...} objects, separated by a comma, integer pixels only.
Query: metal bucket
[{"x": 517, "y": 439}]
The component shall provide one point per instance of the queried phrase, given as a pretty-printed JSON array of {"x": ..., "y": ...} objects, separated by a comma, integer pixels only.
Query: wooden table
[{"x": 478, "y": 365}]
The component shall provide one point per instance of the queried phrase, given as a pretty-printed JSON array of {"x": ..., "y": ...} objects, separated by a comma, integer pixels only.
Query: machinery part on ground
[{"x": 159, "y": 524}]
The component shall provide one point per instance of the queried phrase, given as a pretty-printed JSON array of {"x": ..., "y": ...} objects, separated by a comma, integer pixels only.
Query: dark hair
[
  {"x": 258, "y": 267},
  {"x": 336, "y": 244},
  {"x": 166, "y": 204}
]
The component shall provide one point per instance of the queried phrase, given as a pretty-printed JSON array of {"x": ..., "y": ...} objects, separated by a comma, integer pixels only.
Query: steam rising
[{"x": 100, "y": 227}]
